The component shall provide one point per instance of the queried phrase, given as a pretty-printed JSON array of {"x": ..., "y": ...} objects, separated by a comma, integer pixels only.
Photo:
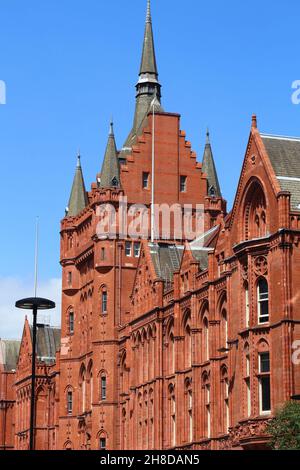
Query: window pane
[
  {"x": 70, "y": 402},
  {"x": 104, "y": 302},
  {"x": 182, "y": 184},
  {"x": 102, "y": 443},
  {"x": 128, "y": 248},
  {"x": 71, "y": 323},
  {"x": 137, "y": 247},
  {"x": 265, "y": 394},
  {"x": 263, "y": 287},
  {"x": 145, "y": 180},
  {"x": 103, "y": 388},
  {"x": 265, "y": 362}
]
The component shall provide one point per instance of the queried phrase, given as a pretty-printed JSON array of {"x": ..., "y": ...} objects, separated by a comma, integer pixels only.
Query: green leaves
[{"x": 284, "y": 429}]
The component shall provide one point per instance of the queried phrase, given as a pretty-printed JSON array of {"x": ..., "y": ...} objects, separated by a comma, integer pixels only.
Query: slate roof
[
  {"x": 110, "y": 173},
  {"x": 166, "y": 259},
  {"x": 148, "y": 62},
  {"x": 201, "y": 246},
  {"x": 48, "y": 342},
  {"x": 284, "y": 154},
  {"x": 9, "y": 353},
  {"x": 78, "y": 199},
  {"x": 208, "y": 167},
  {"x": 202, "y": 257}
]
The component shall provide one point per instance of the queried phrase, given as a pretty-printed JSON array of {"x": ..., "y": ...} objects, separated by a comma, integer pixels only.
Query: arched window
[
  {"x": 247, "y": 379},
  {"x": 247, "y": 305},
  {"x": 206, "y": 391},
  {"x": 224, "y": 329},
  {"x": 69, "y": 402},
  {"x": 145, "y": 348},
  {"x": 124, "y": 373},
  {"x": 225, "y": 396},
  {"x": 187, "y": 339},
  {"x": 140, "y": 421},
  {"x": 263, "y": 301},
  {"x": 204, "y": 328},
  {"x": 255, "y": 212},
  {"x": 170, "y": 347},
  {"x": 71, "y": 322},
  {"x": 103, "y": 384},
  {"x": 151, "y": 419},
  {"x": 145, "y": 420},
  {"x": 151, "y": 352},
  {"x": 205, "y": 339},
  {"x": 82, "y": 383},
  {"x": 189, "y": 410},
  {"x": 90, "y": 384},
  {"x": 172, "y": 415},
  {"x": 104, "y": 301}
]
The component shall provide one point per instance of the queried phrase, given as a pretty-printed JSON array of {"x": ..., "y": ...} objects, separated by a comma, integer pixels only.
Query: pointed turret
[
  {"x": 148, "y": 85},
  {"x": 148, "y": 63},
  {"x": 209, "y": 168},
  {"x": 110, "y": 173},
  {"x": 78, "y": 199}
]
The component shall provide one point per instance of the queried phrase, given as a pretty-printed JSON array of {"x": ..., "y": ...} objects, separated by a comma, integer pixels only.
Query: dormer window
[
  {"x": 115, "y": 182},
  {"x": 212, "y": 191}
]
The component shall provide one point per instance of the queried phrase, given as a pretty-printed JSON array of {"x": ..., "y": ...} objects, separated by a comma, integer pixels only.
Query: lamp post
[{"x": 34, "y": 304}]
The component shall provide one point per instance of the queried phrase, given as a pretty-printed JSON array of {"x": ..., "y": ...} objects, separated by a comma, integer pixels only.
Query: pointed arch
[{"x": 254, "y": 210}]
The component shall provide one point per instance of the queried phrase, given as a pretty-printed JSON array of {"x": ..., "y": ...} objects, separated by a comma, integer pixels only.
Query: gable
[{"x": 256, "y": 167}]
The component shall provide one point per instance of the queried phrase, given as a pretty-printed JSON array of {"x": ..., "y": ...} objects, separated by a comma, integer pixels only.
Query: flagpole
[
  {"x": 36, "y": 256},
  {"x": 153, "y": 176}
]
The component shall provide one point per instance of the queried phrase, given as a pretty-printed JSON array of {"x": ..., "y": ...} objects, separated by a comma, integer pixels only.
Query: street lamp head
[{"x": 35, "y": 303}]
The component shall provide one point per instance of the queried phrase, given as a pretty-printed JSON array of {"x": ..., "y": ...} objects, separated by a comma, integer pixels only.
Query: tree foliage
[{"x": 284, "y": 429}]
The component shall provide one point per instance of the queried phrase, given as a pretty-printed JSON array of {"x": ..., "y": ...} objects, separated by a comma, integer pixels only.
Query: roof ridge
[{"x": 279, "y": 137}]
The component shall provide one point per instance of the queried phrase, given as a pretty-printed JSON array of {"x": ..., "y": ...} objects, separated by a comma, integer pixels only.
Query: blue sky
[{"x": 69, "y": 65}]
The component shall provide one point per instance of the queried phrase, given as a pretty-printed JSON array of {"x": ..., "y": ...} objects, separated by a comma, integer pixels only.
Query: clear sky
[{"x": 69, "y": 65}]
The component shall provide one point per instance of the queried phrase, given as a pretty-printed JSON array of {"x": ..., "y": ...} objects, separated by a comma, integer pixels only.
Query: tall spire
[
  {"x": 78, "y": 199},
  {"x": 148, "y": 85},
  {"x": 148, "y": 63},
  {"x": 110, "y": 173},
  {"x": 209, "y": 168}
]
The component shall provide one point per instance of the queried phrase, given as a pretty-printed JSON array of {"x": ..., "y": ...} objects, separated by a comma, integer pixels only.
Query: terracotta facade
[{"x": 172, "y": 344}]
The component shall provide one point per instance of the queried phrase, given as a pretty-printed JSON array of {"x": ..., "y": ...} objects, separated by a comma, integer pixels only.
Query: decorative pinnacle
[
  {"x": 148, "y": 17},
  {"x": 78, "y": 159},
  {"x": 111, "y": 127},
  {"x": 207, "y": 136},
  {"x": 254, "y": 121}
]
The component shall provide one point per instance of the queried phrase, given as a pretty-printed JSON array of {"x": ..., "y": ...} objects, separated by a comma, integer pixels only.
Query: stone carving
[{"x": 261, "y": 265}]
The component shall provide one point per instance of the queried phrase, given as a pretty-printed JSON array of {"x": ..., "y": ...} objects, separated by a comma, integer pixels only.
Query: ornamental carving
[
  {"x": 248, "y": 430},
  {"x": 261, "y": 266},
  {"x": 244, "y": 271}
]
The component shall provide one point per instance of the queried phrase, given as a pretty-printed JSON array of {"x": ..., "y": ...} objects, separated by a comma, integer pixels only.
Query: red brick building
[{"x": 170, "y": 343}]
